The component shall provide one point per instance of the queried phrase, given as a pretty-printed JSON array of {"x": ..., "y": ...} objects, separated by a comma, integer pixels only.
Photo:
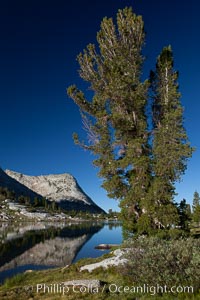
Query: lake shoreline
[
  {"x": 47, "y": 245},
  {"x": 36, "y": 284}
]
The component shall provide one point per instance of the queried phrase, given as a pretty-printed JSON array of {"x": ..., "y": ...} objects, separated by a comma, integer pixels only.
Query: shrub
[
  {"x": 15, "y": 280},
  {"x": 156, "y": 261}
]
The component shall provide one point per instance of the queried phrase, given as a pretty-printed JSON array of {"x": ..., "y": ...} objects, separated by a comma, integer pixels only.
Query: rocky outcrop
[
  {"x": 116, "y": 260},
  {"x": 61, "y": 188}
]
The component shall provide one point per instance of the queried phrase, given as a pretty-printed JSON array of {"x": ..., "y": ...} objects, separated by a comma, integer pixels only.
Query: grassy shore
[{"x": 48, "y": 285}]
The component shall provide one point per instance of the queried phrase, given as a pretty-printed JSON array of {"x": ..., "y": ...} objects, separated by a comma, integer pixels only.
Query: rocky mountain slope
[
  {"x": 61, "y": 188},
  {"x": 13, "y": 185}
]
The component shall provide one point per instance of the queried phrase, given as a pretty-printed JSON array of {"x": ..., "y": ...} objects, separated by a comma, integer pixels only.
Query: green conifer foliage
[
  {"x": 117, "y": 125},
  {"x": 170, "y": 147},
  {"x": 196, "y": 208},
  {"x": 139, "y": 166}
]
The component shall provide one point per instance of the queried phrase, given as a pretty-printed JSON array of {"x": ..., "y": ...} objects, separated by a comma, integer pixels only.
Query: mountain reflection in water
[{"x": 39, "y": 246}]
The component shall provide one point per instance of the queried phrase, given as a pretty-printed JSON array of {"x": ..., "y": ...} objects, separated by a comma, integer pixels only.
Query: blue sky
[{"x": 39, "y": 44}]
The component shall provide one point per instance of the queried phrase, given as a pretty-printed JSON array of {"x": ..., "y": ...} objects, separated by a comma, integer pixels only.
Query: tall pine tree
[
  {"x": 196, "y": 208},
  {"x": 115, "y": 118},
  {"x": 138, "y": 168},
  {"x": 170, "y": 146}
]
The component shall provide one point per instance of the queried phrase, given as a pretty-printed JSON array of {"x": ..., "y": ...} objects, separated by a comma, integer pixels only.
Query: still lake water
[{"x": 43, "y": 246}]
